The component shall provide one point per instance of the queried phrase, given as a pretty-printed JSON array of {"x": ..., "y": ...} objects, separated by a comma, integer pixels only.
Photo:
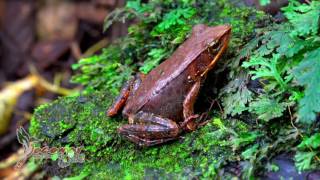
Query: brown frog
[{"x": 159, "y": 105}]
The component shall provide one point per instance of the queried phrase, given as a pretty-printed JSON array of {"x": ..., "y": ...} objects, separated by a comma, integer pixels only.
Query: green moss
[
  {"x": 199, "y": 153},
  {"x": 34, "y": 124}
]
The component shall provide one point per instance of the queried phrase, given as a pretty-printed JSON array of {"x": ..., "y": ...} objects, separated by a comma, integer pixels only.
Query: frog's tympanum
[{"x": 159, "y": 105}]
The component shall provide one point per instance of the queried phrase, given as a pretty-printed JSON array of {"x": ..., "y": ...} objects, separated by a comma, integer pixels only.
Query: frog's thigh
[
  {"x": 190, "y": 99},
  {"x": 150, "y": 126},
  {"x": 149, "y": 118},
  {"x": 127, "y": 90}
]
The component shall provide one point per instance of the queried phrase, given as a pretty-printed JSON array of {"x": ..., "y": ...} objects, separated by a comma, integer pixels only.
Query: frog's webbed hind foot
[{"x": 149, "y": 129}]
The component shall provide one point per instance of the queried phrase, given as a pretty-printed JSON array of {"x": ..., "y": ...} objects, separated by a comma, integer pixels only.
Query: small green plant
[
  {"x": 283, "y": 63},
  {"x": 284, "y": 60},
  {"x": 307, "y": 74},
  {"x": 308, "y": 155}
]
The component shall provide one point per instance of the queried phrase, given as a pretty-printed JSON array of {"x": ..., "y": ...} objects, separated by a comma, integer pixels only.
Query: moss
[{"x": 194, "y": 154}]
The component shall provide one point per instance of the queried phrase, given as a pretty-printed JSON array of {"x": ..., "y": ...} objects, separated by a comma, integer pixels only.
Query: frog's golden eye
[
  {"x": 215, "y": 46},
  {"x": 213, "y": 43}
]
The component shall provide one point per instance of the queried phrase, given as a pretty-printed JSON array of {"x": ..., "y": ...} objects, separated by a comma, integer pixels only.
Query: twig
[
  {"x": 96, "y": 47},
  {"x": 49, "y": 86},
  {"x": 292, "y": 123},
  {"x": 220, "y": 108},
  {"x": 75, "y": 49},
  {"x": 210, "y": 107}
]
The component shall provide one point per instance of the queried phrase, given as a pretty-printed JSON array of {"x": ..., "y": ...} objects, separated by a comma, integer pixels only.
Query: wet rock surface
[{"x": 287, "y": 170}]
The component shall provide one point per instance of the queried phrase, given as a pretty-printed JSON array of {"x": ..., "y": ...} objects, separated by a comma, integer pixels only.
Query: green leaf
[
  {"x": 264, "y": 2},
  {"x": 267, "y": 108},
  {"x": 54, "y": 156},
  {"x": 313, "y": 141},
  {"x": 218, "y": 122},
  {"x": 307, "y": 74},
  {"x": 304, "y": 17},
  {"x": 236, "y": 95},
  {"x": 303, "y": 160},
  {"x": 244, "y": 139},
  {"x": 103, "y": 71},
  {"x": 136, "y": 5},
  {"x": 250, "y": 152},
  {"x": 266, "y": 68},
  {"x": 272, "y": 167},
  {"x": 177, "y": 17},
  {"x": 81, "y": 176}
]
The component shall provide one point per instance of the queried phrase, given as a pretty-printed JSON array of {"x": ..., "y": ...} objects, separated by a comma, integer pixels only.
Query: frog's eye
[{"x": 215, "y": 45}]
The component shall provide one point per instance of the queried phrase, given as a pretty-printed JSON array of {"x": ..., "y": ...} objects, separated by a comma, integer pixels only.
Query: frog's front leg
[
  {"x": 149, "y": 129},
  {"x": 188, "y": 106},
  {"x": 127, "y": 90}
]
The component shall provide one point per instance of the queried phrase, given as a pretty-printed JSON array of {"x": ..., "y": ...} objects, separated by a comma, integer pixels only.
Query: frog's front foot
[
  {"x": 189, "y": 124},
  {"x": 149, "y": 129}
]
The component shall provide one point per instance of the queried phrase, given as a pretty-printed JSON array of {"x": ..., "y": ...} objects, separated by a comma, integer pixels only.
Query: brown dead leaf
[
  {"x": 2, "y": 8},
  {"x": 18, "y": 22},
  {"x": 9, "y": 97},
  {"x": 16, "y": 35},
  {"x": 57, "y": 21}
]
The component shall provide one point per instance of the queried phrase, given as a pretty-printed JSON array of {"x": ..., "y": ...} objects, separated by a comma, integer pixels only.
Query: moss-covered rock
[{"x": 81, "y": 121}]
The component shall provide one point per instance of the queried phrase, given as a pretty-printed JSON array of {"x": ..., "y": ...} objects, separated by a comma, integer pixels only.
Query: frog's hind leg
[
  {"x": 149, "y": 129},
  {"x": 127, "y": 90}
]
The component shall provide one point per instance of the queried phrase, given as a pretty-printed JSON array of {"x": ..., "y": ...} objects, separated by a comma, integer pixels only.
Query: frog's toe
[{"x": 147, "y": 142}]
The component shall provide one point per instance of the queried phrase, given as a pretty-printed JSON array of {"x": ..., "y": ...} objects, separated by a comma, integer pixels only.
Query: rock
[{"x": 81, "y": 121}]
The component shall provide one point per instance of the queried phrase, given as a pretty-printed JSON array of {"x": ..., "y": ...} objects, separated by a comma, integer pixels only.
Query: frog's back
[{"x": 167, "y": 72}]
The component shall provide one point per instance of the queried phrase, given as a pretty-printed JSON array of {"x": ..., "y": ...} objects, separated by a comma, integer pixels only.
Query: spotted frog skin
[{"x": 159, "y": 105}]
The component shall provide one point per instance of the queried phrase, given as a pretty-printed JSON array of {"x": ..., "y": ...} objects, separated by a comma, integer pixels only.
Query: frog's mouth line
[{"x": 224, "y": 41}]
